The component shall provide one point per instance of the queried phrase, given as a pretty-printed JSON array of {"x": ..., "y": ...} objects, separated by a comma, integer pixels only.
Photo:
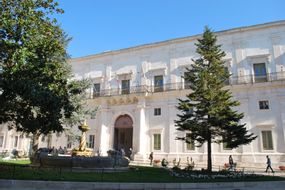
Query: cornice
[{"x": 178, "y": 40}]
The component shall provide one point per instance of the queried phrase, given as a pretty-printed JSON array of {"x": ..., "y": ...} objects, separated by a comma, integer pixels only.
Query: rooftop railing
[{"x": 233, "y": 80}]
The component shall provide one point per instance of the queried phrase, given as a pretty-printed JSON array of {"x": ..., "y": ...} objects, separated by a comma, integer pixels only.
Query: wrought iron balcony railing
[
  {"x": 234, "y": 80},
  {"x": 250, "y": 79},
  {"x": 118, "y": 91}
]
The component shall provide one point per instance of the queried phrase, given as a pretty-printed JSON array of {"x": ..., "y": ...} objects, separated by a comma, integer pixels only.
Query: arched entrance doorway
[{"x": 123, "y": 135}]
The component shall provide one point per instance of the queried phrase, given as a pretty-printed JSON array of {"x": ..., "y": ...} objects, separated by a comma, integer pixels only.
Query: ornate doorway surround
[{"x": 123, "y": 134}]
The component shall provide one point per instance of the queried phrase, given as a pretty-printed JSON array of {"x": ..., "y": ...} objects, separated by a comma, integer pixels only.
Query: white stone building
[{"x": 137, "y": 90}]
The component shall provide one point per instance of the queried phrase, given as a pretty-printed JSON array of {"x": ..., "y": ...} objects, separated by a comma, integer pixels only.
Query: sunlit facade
[{"x": 137, "y": 90}]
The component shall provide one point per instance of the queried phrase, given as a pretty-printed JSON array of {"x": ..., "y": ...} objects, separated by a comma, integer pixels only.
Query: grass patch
[
  {"x": 16, "y": 162},
  {"x": 21, "y": 171}
]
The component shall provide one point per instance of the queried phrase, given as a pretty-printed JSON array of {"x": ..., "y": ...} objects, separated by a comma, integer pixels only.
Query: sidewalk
[
  {"x": 262, "y": 172},
  {"x": 199, "y": 166},
  {"x": 51, "y": 185}
]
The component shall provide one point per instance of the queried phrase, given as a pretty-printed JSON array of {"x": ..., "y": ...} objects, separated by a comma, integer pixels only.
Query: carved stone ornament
[{"x": 122, "y": 101}]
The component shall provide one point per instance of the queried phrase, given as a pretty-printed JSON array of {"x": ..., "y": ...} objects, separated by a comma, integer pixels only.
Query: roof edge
[{"x": 179, "y": 40}]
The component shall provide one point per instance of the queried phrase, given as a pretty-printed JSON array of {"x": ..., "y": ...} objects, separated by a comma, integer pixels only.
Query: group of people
[
  {"x": 232, "y": 165},
  {"x": 55, "y": 151},
  {"x": 129, "y": 153}
]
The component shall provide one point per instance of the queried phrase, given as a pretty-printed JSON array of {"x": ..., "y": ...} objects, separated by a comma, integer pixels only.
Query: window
[
  {"x": 259, "y": 72},
  {"x": 158, "y": 83},
  {"x": 186, "y": 81},
  {"x": 125, "y": 86},
  {"x": 190, "y": 144},
  {"x": 264, "y": 105},
  {"x": 157, "y": 111},
  {"x": 16, "y": 139},
  {"x": 267, "y": 140},
  {"x": 225, "y": 146},
  {"x": 156, "y": 141},
  {"x": 1, "y": 141},
  {"x": 91, "y": 141},
  {"x": 96, "y": 90}
]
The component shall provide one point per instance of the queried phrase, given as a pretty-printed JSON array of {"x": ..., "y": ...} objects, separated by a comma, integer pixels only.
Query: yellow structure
[{"x": 82, "y": 150}]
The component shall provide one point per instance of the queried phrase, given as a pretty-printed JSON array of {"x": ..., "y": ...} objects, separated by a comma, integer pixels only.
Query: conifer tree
[{"x": 207, "y": 113}]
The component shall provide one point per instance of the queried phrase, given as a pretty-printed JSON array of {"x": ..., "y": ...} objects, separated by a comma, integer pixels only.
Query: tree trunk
[
  {"x": 35, "y": 144},
  {"x": 209, "y": 141}
]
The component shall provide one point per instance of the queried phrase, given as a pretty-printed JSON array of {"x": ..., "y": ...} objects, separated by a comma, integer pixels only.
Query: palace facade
[{"x": 137, "y": 89}]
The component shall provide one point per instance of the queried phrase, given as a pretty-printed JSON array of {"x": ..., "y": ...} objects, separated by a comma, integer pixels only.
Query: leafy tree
[
  {"x": 36, "y": 93},
  {"x": 206, "y": 113}
]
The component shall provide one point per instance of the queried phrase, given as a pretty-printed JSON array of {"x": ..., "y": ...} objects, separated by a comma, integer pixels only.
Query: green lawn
[
  {"x": 17, "y": 162},
  {"x": 22, "y": 171}
]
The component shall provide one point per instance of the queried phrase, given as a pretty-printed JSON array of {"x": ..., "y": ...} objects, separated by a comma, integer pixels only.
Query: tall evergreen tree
[
  {"x": 36, "y": 93},
  {"x": 207, "y": 112}
]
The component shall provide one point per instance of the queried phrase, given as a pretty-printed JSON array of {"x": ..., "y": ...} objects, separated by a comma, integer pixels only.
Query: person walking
[
  {"x": 268, "y": 162},
  {"x": 151, "y": 158},
  {"x": 131, "y": 154},
  {"x": 231, "y": 163},
  {"x": 65, "y": 150},
  {"x": 60, "y": 150}
]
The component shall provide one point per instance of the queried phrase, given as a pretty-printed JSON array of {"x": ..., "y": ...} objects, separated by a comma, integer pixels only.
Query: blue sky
[{"x": 101, "y": 25}]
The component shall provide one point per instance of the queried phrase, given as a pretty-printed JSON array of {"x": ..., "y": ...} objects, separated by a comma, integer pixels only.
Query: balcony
[
  {"x": 234, "y": 80},
  {"x": 251, "y": 79},
  {"x": 118, "y": 91}
]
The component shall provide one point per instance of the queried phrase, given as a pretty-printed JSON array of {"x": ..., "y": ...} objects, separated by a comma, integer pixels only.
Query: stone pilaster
[
  {"x": 104, "y": 131},
  {"x": 141, "y": 129}
]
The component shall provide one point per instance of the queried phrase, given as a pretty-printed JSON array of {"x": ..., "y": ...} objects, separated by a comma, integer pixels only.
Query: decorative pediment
[
  {"x": 261, "y": 58},
  {"x": 157, "y": 71},
  {"x": 123, "y": 75},
  {"x": 97, "y": 79},
  {"x": 155, "y": 130},
  {"x": 95, "y": 75},
  {"x": 265, "y": 126}
]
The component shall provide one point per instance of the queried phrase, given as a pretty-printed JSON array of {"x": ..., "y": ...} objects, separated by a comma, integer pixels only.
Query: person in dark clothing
[
  {"x": 268, "y": 162},
  {"x": 151, "y": 158},
  {"x": 164, "y": 162},
  {"x": 231, "y": 163}
]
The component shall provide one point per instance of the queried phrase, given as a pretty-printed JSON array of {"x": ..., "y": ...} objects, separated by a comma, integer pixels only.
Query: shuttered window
[
  {"x": 190, "y": 145},
  {"x": 156, "y": 141},
  {"x": 267, "y": 140}
]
